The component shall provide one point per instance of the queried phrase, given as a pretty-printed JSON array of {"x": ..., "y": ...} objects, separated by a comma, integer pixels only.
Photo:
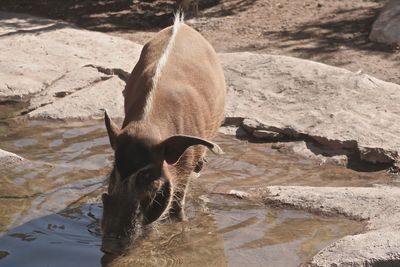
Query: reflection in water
[
  {"x": 23, "y": 237},
  {"x": 245, "y": 165},
  {"x": 70, "y": 163},
  {"x": 232, "y": 233},
  {"x": 267, "y": 237},
  {"x": 25, "y": 142},
  {"x": 69, "y": 238},
  {"x": 193, "y": 243},
  {"x": 3, "y": 254},
  {"x": 57, "y": 176}
]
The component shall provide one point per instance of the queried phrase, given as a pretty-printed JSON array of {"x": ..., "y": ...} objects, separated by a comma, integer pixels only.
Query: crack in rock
[
  {"x": 122, "y": 74},
  {"x": 63, "y": 94},
  {"x": 66, "y": 86},
  {"x": 47, "y": 85}
]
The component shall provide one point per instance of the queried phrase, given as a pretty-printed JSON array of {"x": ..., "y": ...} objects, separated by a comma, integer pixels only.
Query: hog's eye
[
  {"x": 145, "y": 174},
  {"x": 145, "y": 177}
]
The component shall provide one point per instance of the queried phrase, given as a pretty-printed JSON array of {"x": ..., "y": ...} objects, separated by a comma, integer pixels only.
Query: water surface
[{"x": 50, "y": 208}]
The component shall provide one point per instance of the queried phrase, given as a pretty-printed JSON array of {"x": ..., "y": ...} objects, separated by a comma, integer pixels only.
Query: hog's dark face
[
  {"x": 139, "y": 193},
  {"x": 140, "y": 190},
  {"x": 125, "y": 214}
]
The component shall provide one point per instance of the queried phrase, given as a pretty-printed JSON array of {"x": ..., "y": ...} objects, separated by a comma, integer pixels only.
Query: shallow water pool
[{"x": 50, "y": 208}]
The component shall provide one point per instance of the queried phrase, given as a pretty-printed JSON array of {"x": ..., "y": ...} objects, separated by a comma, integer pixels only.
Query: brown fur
[{"x": 190, "y": 95}]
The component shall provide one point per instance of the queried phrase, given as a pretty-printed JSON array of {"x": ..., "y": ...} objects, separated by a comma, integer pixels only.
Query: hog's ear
[
  {"x": 176, "y": 145},
  {"x": 112, "y": 129}
]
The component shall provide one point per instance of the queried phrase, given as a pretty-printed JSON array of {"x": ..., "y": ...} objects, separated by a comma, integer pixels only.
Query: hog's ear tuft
[
  {"x": 176, "y": 145},
  {"x": 112, "y": 129}
]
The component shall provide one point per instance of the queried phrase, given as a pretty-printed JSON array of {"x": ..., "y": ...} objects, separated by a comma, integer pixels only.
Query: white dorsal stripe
[{"x": 162, "y": 62}]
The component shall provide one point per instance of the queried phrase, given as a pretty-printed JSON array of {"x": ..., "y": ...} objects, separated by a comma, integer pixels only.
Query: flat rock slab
[
  {"x": 38, "y": 54},
  {"x": 386, "y": 28},
  {"x": 379, "y": 206},
  {"x": 300, "y": 98},
  {"x": 81, "y": 94}
]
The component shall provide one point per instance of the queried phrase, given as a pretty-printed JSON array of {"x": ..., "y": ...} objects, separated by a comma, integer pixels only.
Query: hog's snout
[{"x": 114, "y": 245}]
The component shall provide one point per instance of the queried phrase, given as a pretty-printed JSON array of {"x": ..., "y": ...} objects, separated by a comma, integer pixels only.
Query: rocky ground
[
  {"x": 331, "y": 31},
  {"x": 54, "y": 69}
]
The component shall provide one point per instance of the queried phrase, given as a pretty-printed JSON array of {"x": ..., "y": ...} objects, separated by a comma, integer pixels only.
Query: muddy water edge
[{"x": 50, "y": 208}]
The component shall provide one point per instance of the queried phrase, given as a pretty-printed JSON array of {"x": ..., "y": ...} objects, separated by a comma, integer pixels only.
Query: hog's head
[{"x": 140, "y": 189}]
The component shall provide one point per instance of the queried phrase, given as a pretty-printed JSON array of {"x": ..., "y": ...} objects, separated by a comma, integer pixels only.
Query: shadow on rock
[
  {"x": 109, "y": 15},
  {"x": 330, "y": 34}
]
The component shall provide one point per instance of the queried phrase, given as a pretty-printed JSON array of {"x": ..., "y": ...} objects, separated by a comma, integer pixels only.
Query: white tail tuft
[
  {"x": 178, "y": 21},
  {"x": 179, "y": 17}
]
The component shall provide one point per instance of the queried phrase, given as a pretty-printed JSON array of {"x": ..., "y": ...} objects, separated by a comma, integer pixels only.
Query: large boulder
[{"x": 386, "y": 29}]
